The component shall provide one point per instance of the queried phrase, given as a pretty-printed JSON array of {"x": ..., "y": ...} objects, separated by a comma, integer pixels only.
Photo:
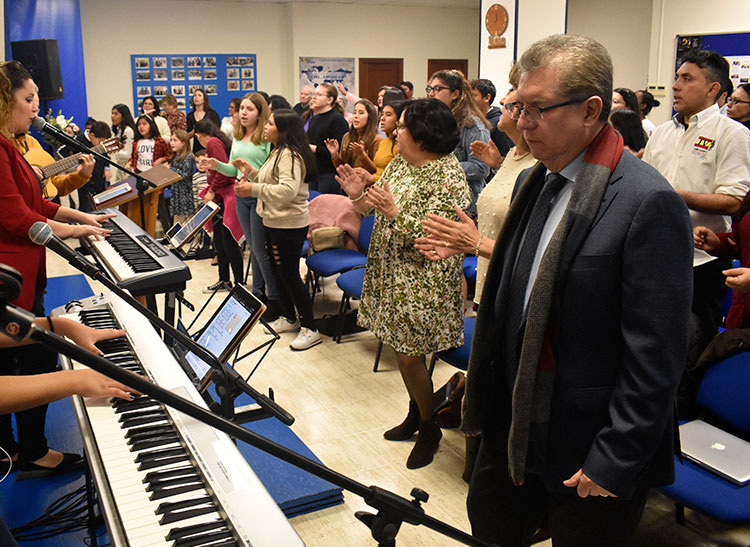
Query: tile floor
[{"x": 342, "y": 408}]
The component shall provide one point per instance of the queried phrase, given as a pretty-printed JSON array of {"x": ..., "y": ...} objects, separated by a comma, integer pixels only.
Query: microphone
[
  {"x": 41, "y": 233},
  {"x": 41, "y": 124}
]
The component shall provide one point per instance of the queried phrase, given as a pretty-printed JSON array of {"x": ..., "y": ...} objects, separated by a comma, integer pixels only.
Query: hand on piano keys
[
  {"x": 89, "y": 383},
  {"x": 84, "y": 336}
]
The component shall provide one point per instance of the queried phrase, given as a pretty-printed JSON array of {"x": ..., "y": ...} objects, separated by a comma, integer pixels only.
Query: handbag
[{"x": 329, "y": 237}]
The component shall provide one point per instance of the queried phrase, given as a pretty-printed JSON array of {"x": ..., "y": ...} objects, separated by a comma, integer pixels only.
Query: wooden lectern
[{"x": 161, "y": 176}]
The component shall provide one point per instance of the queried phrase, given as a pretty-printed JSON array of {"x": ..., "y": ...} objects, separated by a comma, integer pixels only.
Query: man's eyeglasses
[
  {"x": 435, "y": 89},
  {"x": 732, "y": 100},
  {"x": 534, "y": 113}
]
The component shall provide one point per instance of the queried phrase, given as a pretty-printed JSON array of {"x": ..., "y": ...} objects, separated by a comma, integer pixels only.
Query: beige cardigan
[{"x": 282, "y": 191}]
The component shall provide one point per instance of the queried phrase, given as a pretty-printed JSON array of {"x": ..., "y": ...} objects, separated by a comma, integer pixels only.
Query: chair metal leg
[
  {"x": 432, "y": 364},
  {"x": 679, "y": 514},
  {"x": 341, "y": 318},
  {"x": 377, "y": 357}
]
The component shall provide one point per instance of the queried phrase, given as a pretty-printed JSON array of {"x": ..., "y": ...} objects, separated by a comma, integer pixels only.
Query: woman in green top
[{"x": 249, "y": 145}]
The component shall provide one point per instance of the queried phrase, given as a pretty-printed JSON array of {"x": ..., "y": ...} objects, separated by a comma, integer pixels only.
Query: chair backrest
[
  {"x": 365, "y": 232},
  {"x": 725, "y": 390},
  {"x": 312, "y": 194}
]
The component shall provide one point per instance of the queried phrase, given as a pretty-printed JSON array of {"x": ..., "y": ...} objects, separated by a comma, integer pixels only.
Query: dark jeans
[
  {"x": 25, "y": 361},
  {"x": 508, "y": 515},
  {"x": 227, "y": 250},
  {"x": 255, "y": 235},
  {"x": 284, "y": 247},
  {"x": 325, "y": 183}
]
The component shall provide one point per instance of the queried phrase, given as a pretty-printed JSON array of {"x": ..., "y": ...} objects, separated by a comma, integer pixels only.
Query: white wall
[
  {"x": 537, "y": 19},
  {"x": 624, "y": 28},
  {"x": 278, "y": 33},
  {"x": 673, "y": 17}
]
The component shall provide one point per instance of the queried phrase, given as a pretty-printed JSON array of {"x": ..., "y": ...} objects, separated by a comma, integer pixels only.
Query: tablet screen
[{"x": 186, "y": 232}]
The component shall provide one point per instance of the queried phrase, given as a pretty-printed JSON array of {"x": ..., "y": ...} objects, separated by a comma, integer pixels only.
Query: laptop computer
[
  {"x": 717, "y": 451},
  {"x": 223, "y": 333}
]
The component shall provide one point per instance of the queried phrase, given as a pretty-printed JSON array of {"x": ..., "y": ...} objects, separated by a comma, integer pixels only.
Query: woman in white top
[
  {"x": 150, "y": 106},
  {"x": 123, "y": 127},
  {"x": 448, "y": 237},
  {"x": 646, "y": 103},
  {"x": 228, "y": 123}
]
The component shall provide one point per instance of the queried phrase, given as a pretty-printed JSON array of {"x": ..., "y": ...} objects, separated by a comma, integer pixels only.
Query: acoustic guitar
[{"x": 50, "y": 167}]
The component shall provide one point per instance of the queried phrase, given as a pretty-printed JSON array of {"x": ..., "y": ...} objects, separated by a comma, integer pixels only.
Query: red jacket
[
  {"x": 736, "y": 244},
  {"x": 21, "y": 205}
]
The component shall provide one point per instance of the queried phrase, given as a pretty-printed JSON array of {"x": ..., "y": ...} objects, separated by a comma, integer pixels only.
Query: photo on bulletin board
[{"x": 223, "y": 76}]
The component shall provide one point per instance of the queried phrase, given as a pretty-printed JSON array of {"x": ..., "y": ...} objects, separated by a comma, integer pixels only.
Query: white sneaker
[
  {"x": 306, "y": 338},
  {"x": 282, "y": 324}
]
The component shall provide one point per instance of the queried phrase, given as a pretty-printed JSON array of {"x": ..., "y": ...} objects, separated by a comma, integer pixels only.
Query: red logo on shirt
[{"x": 704, "y": 144}]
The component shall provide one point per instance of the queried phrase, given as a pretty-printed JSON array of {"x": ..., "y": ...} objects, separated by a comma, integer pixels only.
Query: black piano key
[
  {"x": 158, "y": 454},
  {"x": 161, "y": 462},
  {"x": 169, "y": 482},
  {"x": 164, "y": 493},
  {"x": 158, "y": 475},
  {"x": 181, "y": 510},
  {"x": 137, "y": 446},
  {"x": 130, "y": 419},
  {"x": 138, "y": 404},
  {"x": 204, "y": 539},
  {"x": 186, "y": 531},
  {"x": 145, "y": 432}
]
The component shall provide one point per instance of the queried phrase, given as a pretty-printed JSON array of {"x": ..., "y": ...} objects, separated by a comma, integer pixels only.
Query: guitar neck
[{"x": 65, "y": 164}]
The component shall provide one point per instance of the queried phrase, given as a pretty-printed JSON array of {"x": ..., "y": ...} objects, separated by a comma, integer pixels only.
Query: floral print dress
[{"x": 408, "y": 301}]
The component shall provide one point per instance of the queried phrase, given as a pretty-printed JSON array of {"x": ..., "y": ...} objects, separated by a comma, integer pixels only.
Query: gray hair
[{"x": 585, "y": 67}]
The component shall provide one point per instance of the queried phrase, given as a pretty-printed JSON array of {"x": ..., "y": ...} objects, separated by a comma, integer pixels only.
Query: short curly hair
[{"x": 432, "y": 125}]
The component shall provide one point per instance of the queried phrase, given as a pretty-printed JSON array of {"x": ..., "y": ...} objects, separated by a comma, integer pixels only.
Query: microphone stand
[
  {"x": 392, "y": 510},
  {"x": 227, "y": 380},
  {"x": 141, "y": 184}
]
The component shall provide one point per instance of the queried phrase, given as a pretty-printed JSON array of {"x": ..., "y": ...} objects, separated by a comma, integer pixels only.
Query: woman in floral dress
[{"x": 408, "y": 301}]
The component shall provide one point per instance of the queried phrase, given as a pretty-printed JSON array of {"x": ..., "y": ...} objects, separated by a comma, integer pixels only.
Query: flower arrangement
[{"x": 59, "y": 121}]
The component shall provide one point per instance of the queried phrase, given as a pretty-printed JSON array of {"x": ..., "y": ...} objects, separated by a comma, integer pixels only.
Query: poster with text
[{"x": 314, "y": 71}]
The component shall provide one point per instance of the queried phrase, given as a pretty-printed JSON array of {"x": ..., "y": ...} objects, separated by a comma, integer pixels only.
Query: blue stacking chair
[
  {"x": 457, "y": 357},
  {"x": 725, "y": 394},
  {"x": 335, "y": 261},
  {"x": 350, "y": 284},
  {"x": 470, "y": 273}
]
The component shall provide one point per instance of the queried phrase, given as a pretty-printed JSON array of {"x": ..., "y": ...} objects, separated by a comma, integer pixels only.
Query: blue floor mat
[{"x": 295, "y": 491}]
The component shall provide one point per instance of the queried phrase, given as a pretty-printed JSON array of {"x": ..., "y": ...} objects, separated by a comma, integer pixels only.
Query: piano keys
[
  {"x": 164, "y": 478},
  {"x": 135, "y": 260}
]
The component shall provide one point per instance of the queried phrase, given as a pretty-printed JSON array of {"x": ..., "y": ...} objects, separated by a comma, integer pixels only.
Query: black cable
[{"x": 68, "y": 513}]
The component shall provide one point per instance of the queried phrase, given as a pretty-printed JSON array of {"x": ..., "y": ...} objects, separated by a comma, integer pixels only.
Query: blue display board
[{"x": 222, "y": 75}]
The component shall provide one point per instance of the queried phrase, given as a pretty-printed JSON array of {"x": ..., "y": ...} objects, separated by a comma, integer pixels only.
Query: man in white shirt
[{"x": 706, "y": 158}]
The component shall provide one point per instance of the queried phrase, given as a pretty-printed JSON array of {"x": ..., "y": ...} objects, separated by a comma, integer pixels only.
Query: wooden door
[
  {"x": 374, "y": 73},
  {"x": 433, "y": 65}
]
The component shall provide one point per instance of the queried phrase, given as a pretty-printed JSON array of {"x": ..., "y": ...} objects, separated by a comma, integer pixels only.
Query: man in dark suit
[{"x": 581, "y": 333}]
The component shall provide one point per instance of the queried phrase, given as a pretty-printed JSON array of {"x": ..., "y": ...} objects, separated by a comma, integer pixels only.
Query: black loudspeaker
[{"x": 42, "y": 60}]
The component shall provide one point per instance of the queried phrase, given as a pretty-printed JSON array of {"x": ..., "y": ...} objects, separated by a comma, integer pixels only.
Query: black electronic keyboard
[{"x": 164, "y": 478}]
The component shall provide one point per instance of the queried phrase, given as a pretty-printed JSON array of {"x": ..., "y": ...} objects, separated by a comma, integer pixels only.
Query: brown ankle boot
[
  {"x": 428, "y": 440},
  {"x": 406, "y": 429}
]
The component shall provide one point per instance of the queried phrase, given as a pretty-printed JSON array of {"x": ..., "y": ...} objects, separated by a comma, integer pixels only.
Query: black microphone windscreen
[
  {"x": 39, "y": 123},
  {"x": 40, "y": 233}
]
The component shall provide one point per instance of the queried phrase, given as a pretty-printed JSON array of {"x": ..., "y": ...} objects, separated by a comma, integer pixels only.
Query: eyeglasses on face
[
  {"x": 435, "y": 89},
  {"x": 534, "y": 113},
  {"x": 732, "y": 100}
]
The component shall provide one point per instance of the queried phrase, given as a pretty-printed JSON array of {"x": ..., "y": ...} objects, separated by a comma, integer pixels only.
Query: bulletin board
[
  {"x": 222, "y": 76},
  {"x": 735, "y": 47}
]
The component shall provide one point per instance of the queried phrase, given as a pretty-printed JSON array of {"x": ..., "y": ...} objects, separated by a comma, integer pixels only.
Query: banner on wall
[
  {"x": 498, "y": 38},
  {"x": 314, "y": 71}
]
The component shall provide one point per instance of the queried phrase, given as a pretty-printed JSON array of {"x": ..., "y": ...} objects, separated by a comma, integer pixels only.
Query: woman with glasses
[
  {"x": 408, "y": 302},
  {"x": 739, "y": 105},
  {"x": 450, "y": 87},
  {"x": 448, "y": 237}
]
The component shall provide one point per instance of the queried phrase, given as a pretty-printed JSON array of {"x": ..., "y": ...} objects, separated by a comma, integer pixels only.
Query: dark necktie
[{"x": 514, "y": 312}]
